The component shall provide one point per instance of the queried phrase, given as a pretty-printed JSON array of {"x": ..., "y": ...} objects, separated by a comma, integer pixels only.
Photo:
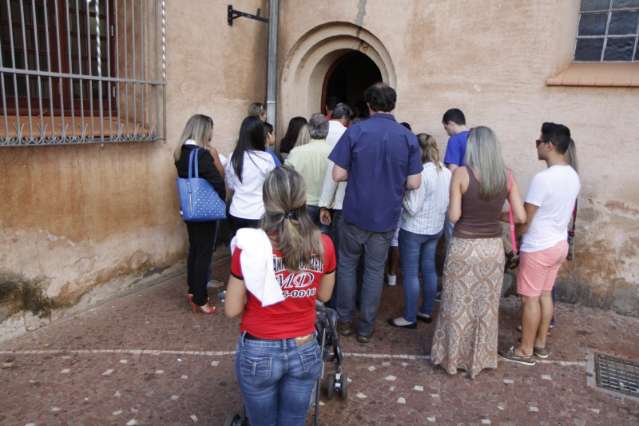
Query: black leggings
[
  {"x": 201, "y": 241},
  {"x": 238, "y": 222}
]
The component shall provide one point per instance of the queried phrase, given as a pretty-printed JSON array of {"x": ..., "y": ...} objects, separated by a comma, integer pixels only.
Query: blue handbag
[{"x": 198, "y": 200}]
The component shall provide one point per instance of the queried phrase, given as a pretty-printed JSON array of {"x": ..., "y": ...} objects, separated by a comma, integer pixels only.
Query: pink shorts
[{"x": 538, "y": 270}]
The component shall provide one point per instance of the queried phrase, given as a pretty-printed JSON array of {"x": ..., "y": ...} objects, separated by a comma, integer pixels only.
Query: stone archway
[
  {"x": 310, "y": 59},
  {"x": 347, "y": 79}
]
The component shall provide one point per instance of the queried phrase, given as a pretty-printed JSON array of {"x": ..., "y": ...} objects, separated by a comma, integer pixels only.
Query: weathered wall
[
  {"x": 491, "y": 59},
  {"x": 77, "y": 217}
]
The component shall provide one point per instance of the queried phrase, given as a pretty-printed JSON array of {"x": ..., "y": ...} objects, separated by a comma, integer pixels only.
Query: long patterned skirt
[{"x": 467, "y": 326}]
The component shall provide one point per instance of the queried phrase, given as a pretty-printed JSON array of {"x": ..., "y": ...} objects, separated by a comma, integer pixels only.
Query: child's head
[
  {"x": 270, "y": 137},
  {"x": 286, "y": 219}
]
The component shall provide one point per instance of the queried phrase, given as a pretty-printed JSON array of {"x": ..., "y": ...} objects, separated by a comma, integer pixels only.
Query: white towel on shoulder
[{"x": 256, "y": 260}]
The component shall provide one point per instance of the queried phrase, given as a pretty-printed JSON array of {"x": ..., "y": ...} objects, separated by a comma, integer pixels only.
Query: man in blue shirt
[
  {"x": 380, "y": 159},
  {"x": 455, "y": 125}
]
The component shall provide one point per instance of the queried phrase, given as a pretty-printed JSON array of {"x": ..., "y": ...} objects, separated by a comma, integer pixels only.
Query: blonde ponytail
[{"x": 286, "y": 219}]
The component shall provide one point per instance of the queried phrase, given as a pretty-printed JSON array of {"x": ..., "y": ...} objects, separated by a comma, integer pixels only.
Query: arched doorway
[
  {"x": 307, "y": 64},
  {"x": 347, "y": 79}
]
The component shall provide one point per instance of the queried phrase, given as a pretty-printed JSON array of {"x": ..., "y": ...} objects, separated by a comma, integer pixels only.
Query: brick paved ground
[{"x": 77, "y": 376}]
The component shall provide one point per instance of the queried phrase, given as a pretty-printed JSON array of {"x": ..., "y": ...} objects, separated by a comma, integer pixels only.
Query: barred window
[
  {"x": 608, "y": 31},
  {"x": 81, "y": 71}
]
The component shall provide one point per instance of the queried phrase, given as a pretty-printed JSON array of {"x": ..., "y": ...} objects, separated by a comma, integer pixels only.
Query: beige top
[{"x": 310, "y": 161}]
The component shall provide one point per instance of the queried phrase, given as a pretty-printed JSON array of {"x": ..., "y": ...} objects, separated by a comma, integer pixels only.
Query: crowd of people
[{"x": 323, "y": 208}]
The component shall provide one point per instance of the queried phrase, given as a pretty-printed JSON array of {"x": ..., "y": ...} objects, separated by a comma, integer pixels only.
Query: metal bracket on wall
[{"x": 233, "y": 14}]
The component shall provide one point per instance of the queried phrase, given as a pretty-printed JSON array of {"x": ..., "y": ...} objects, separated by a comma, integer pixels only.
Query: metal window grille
[
  {"x": 608, "y": 31},
  {"x": 82, "y": 71}
]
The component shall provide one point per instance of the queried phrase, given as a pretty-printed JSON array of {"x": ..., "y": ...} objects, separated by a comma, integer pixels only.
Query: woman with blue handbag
[{"x": 195, "y": 145}]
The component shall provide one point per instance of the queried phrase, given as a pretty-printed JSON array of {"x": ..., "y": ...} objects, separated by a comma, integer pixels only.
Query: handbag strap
[
  {"x": 571, "y": 231},
  {"x": 511, "y": 220},
  {"x": 194, "y": 171}
]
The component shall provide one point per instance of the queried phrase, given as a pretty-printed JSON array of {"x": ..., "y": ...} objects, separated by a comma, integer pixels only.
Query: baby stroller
[{"x": 332, "y": 381}]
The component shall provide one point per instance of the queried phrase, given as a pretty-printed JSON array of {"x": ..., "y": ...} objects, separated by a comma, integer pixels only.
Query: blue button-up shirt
[{"x": 379, "y": 155}]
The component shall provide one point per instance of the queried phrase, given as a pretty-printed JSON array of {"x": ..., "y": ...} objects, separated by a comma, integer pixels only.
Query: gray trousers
[{"x": 355, "y": 242}]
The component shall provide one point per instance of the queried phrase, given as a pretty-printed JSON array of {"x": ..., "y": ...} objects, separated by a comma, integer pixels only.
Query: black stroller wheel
[
  {"x": 329, "y": 386},
  {"x": 342, "y": 392},
  {"x": 235, "y": 420}
]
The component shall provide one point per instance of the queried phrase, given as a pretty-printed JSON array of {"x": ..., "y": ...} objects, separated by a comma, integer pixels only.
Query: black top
[{"x": 206, "y": 169}]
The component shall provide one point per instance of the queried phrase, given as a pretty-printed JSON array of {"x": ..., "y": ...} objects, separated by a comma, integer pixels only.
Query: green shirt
[{"x": 310, "y": 161}]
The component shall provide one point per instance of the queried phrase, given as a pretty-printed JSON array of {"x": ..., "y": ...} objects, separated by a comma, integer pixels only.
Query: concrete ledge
[{"x": 597, "y": 75}]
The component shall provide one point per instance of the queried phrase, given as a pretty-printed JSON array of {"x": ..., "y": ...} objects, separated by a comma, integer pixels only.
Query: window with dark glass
[
  {"x": 608, "y": 31},
  {"x": 36, "y": 47}
]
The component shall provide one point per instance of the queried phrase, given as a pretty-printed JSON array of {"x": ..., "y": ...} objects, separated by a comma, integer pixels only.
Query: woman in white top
[
  {"x": 421, "y": 226},
  {"x": 245, "y": 174}
]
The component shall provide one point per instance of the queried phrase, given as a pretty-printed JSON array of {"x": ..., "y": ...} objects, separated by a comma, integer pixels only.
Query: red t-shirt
[{"x": 295, "y": 316}]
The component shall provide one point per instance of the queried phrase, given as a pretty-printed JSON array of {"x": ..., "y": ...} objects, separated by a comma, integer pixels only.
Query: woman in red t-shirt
[{"x": 278, "y": 359}]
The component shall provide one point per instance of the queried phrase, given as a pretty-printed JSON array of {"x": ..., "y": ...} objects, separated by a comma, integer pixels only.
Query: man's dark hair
[
  {"x": 548, "y": 128},
  {"x": 342, "y": 110},
  {"x": 405, "y": 124},
  {"x": 560, "y": 138},
  {"x": 361, "y": 111},
  {"x": 380, "y": 97},
  {"x": 455, "y": 115},
  {"x": 331, "y": 102}
]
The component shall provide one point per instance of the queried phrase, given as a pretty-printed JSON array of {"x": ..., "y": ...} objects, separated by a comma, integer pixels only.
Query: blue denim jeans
[
  {"x": 448, "y": 232},
  {"x": 418, "y": 252},
  {"x": 277, "y": 379},
  {"x": 356, "y": 243}
]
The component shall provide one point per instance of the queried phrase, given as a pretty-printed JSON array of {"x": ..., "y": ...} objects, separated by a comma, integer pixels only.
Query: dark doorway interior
[{"x": 348, "y": 77}]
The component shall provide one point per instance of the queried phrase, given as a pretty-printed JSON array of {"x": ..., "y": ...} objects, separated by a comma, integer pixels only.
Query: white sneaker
[
  {"x": 424, "y": 317},
  {"x": 392, "y": 280}
]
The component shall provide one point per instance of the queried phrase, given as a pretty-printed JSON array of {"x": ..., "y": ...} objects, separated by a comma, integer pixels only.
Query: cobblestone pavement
[{"x": 144, "y": 358}]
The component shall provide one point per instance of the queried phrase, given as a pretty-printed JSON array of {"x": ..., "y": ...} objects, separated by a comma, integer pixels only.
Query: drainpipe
[{"x": 271, "y": 66}]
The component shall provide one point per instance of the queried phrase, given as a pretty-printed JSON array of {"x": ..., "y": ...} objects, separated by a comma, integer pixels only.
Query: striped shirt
[{"x": 424, "y": 209}]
